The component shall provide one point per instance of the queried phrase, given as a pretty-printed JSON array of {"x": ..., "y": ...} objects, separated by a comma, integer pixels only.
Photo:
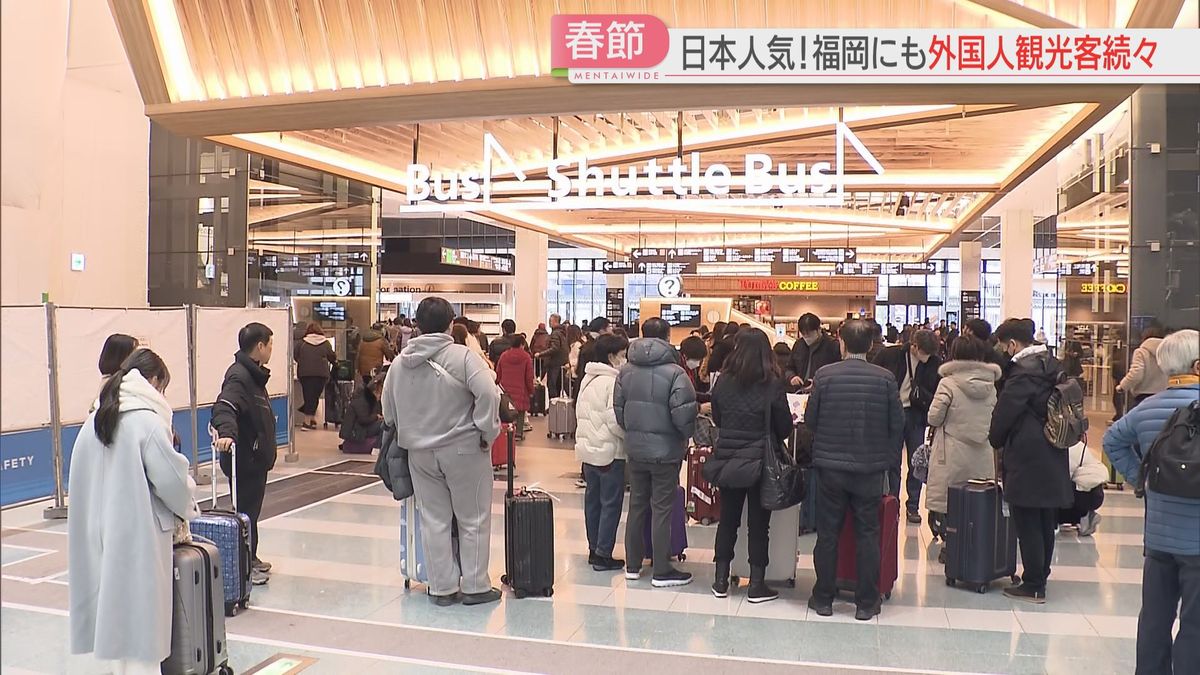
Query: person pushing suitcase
[{"x": 242, "y": 414}]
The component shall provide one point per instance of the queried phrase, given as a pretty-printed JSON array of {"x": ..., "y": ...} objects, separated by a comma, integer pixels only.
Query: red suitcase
[
  {"x": 703, "y": 498},
  {"x": 889, "y": 530}
]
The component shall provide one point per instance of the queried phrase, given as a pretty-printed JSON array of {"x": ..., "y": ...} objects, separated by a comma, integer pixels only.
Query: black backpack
[
  {"x": 1066, "y": 423},
  {"x": 1172, "y": 465}
]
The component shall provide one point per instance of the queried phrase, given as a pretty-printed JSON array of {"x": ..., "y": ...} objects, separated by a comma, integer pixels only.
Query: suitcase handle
[
  {"x": 508, "y": 429},
  {"x": 232, "y": 471}
]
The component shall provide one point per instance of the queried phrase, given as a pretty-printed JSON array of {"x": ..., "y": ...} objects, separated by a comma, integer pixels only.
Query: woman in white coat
[
  {"x": 600, "y": 447},
  {"x": 129, "y": 489},
  {"x": 959, "y": 417}
]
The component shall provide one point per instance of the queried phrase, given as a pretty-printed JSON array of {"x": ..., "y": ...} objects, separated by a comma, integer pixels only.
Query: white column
[
  {"x": 1016, "y": 264},
  {"x": 531, "y": 279},
  {"x": 969, "y": 254}
]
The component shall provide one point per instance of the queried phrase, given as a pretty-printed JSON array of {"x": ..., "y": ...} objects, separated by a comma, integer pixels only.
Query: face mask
[{"x": 693, "y": 363}]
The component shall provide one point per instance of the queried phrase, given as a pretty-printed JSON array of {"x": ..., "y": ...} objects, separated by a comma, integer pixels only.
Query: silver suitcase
[
  {"x": 784, "y": 548},
  {"x": 198, "y": 615},
  {"x": 562, "y": 419}
]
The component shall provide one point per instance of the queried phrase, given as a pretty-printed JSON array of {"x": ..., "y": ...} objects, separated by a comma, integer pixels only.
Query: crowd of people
[{"x": 976, "y": 399}]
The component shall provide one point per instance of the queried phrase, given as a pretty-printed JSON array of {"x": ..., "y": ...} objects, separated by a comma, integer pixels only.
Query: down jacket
[
  {"x": 961, "y": 412},
  {"x": 655, "y": 403},
  {"x": 1172, "y": 523},
  {"x": 598, "y": 438},
  {"x": 740, "y": 414},
  {"x": 514, "y": 373},
  {"x": 855, "y": 416},
  {"x": 1035, "y": 473},
  {"x": 1144, "y": 376}
]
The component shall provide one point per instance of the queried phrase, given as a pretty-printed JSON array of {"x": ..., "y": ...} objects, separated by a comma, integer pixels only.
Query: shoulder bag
[{"x": 783, "y": 483}]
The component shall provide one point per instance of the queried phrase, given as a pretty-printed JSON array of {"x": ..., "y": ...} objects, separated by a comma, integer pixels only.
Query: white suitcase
[{"x": 784, "y": 548}]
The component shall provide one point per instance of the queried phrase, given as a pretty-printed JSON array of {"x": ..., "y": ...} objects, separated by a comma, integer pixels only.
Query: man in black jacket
[
  {"x": 813, "y": 350},
  {"x": 855, "y": 416},
  {"x": 497, "y": 347},
  {"x": 242, "y": 414},
  {"x": 914, "y": 365},
  {"x": 556, "y": 356}
]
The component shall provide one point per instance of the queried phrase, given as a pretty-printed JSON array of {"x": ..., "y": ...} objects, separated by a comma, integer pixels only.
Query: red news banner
[{"x": 632, "y": 48}]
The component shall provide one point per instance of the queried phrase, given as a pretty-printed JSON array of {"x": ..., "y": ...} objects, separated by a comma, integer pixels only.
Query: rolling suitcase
[
  {"x": 333, "y": 410},
  {"x": 230, "y": 531},
  {"x": 528, "y": 537},
  {"x": 537, "y": 400},
  {"x": 808, "y": 507},
  {"x": 362, "y": 447},
  {"x": 343, "y": 371},
  {"x": 679, "y": 540},
  {"x": 562, "y": 419},
  {"x": 981, "y": 540},
  {"x": 500, "y": 455},
  {"x": 197, "y": 618},
  {"x": 784, "y": 549},
  {"x": 412, "y": 546},
  {"x": 889, "y": 530},
  {"x": 703, "y": 498}
]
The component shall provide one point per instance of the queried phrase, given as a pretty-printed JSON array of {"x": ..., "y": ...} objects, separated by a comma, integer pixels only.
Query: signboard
[
  {"x": 877, "y": 268},
  {"x": 968, "y": 302},
  {"x": 640, "y": 48},
  {"x": 617, "y": 267},
  {"x": 660, "y": 268},
  {"x": 311, "y": 274},
  {"x": 1115, "y": 287},
  {"x": 680, "y": 315},
  {"x": 476, "y": 260},
  {"x": 670, "y": 286},
  {"x": 614, "y": 305},
  {"x": 743, "y": 254},
  {"x": 724, "y": 285}
]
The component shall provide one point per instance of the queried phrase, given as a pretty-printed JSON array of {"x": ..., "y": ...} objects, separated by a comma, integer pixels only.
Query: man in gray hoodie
[
  {"x": 444, "y": 404},
  {"x": 655, "y": 404}
]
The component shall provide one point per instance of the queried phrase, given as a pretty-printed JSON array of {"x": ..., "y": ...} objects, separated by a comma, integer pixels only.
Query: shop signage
[
  {"x": 743, "y": 254},
  {"x": 614, "y": 305},
  {"x": 1118, "y": 288},
  {"x": 968, "y": 302},
  {"x": 727, "y": 285},
  {"x": 476, "y": 260},
  {"x": 639, "y": 48},
  {"x": 573, "y": 184}
]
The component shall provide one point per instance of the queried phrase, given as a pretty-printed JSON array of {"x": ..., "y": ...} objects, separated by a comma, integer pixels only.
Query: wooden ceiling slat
[
  {"x": 367, "y": 40},
  {"x": 251, "y": 45},
  {"x": 312, "y": 35},
  {"x": 275, "y": 57},
  {"x": 199, "y": 53},
  {"x": 342, "y": 47},
  {"x": 137, "y": 36},
  {"x": 447, "y": 58},
  {"x": 286, "y": 20},
  {"x": 466, "y": 38},
  {"x": 215, "y": 26},
  {"x": 392, "y": 47},
  {"x": 415, "y": 37}
]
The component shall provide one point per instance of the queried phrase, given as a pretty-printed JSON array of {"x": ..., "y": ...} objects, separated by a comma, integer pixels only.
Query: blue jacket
[{"x": 1172, "y": 523}]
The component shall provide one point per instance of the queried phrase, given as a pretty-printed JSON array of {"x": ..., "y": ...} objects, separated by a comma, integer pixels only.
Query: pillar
[
  {"x": 970, "y": 299},
  {"x": 531, "y": 280},
  {"x": 1016, "y": 264},
  {"x": 1164, "y": 199}
]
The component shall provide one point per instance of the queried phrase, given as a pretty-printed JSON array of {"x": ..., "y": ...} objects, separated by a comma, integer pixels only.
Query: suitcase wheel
[
  {"x": 225, "y": 670},
  {"x": 548, "y": 592},
  {"x": 503, "y": 579},
  {"x": 886, "y": 596},
  {"x": 549, "y": 435},
  {"x": 407, "y": 584},
  {"x": 706, "y": 521},
  {"x": 520, "y": 594},
  {"x": 682, "y": 557},
  {"x": 1016, "y": 579},
  {"x": 791, "y": 583},
  {"x": 981, "y": 588},
  {"x": 949, "y": 581}
]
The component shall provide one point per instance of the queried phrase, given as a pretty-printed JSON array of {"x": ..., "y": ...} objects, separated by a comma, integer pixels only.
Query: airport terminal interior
[{"x": 174, "y": 170}]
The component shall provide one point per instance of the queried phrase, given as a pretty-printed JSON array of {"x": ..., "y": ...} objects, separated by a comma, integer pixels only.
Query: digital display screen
[
  {"x": 330, "y": 311},
  {"x": 683, "y": 316}
]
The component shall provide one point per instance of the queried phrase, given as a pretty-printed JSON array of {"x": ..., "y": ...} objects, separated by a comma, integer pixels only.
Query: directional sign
[{"x": 617, "y": 267}]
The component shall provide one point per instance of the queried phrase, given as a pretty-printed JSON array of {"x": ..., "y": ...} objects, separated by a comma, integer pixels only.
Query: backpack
[
  {"x": 1066, "y": 424},
  {"x": 1172, "y": 466}
]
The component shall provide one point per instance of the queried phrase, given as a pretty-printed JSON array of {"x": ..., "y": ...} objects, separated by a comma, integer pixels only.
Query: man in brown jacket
[{"x": 373, "y": 350}]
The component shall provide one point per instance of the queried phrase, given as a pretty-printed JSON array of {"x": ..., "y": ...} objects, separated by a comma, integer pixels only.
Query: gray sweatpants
[
  {"x": 652, "y": 488},
  {"x": 455, "y": 483}
]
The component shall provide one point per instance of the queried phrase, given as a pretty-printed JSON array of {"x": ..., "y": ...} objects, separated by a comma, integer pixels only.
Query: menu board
[{"x": 680, "y": 315}]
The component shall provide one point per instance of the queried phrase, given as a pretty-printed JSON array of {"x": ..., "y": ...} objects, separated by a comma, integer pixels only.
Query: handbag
[
  {"x": 919, "y": 464},
  {"x": 783, "y": 485}
]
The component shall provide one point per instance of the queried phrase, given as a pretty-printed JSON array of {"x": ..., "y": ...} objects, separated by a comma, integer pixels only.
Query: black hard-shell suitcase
[
  {"x": 528, "y": 537},
  {"x": 197, "y": 618},
  {"x": 981, "y": 540},
  {"x": 537, "y": 400}
]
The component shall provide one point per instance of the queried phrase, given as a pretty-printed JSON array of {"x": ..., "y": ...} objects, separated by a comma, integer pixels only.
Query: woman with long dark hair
[
  {"x": 116, "y": 349},
  {"x": 314, "y": 358},
  {"x": 129, "y": 489},
  {"x": 750, "y": 388}
]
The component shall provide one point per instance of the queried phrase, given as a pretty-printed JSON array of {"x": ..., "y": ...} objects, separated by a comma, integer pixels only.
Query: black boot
[
  {"x": 720, "y": 587},
  {"x": 759, "y": 591}
]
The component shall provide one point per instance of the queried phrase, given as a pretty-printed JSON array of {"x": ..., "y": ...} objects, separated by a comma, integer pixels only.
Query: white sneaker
[
  {"x": 632, "y": 575},
  {"x": 1087, "y": 526}
]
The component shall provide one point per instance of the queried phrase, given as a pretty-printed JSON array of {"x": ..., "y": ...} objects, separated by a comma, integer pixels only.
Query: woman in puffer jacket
[
  {"x": 750, "y": 385},
  {"x": 959, "y": 417},
  {"x": 600, "y": 447}
]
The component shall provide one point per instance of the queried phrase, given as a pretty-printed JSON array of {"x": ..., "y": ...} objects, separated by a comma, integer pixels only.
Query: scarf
[{"x": 138, "y": 394}]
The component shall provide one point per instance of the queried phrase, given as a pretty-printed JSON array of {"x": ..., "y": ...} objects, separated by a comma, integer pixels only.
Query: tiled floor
[{"x": 337, "y": 596}]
